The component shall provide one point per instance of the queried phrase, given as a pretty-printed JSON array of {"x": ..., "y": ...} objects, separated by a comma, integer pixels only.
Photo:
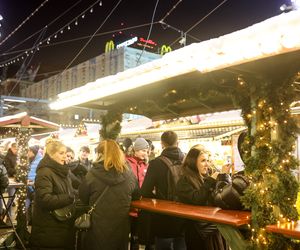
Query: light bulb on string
[
  {"x": 76, "y": 22},
  {"x": 62, "y": 31},
  {"x": 91, "y": 10},
  {"x": 100, "y": 3},
  {"x": 82, "y": 16},
  {"x": 69, "y": 27}
]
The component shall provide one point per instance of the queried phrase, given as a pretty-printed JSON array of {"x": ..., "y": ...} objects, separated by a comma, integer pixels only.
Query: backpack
[{"x": 173, "y": 175}]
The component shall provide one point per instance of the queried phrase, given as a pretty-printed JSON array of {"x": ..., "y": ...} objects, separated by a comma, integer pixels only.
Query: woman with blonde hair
[
  {"x": 110, "y": 177},
  {"x": 53, "y": 190}
]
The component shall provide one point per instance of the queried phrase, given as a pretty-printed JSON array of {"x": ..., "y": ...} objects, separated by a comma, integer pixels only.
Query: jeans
[{"x": 170, "y": 243}]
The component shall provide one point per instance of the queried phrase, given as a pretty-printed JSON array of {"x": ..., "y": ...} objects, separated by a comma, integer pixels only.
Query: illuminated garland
[
  {"x": 22, "y": 137},
  {"x": 269, "y": 157}
]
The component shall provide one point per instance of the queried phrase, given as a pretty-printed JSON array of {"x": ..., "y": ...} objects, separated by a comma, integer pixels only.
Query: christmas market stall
[
  {"x": 22, "y": 126},
  {"x": 257, "y": 70}
]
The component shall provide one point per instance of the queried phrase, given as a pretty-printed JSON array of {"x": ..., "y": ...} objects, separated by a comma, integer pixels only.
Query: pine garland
[
  {"x": 111, "y": 125},
  {"x": 269, "y": 158}
]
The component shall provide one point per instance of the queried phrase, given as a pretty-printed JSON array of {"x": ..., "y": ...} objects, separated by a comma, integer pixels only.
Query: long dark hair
[{"x": 189, "y": 167}]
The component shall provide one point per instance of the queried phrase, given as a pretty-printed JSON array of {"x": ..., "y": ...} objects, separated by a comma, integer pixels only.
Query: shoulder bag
[
  {"x": 83, "y": 222},
  {"x": 65, "y": 213}
]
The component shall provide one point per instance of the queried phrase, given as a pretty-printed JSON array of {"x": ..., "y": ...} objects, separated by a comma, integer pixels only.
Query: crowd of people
[{"x": 120, "y": 173}]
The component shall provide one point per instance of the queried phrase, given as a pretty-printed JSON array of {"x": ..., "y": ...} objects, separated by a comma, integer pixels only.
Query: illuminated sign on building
[
  {"x": 165, "y": 49},
  {"x": 135, "y": 41},
  {"x": 127, "y": 42},
  {"x": 143, "y": 40},
  {"x": 109, "y": 46}
]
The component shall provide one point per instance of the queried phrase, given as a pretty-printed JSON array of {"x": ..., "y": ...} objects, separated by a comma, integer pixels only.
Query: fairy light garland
[
  {"x": 269, "y": 157},
  {"x": 19, "y": 26},
  {"x": 51, "y": 37}
]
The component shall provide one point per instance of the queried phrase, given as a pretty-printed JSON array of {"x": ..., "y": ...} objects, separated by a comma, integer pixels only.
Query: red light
[{"x": 147, "y": 41}]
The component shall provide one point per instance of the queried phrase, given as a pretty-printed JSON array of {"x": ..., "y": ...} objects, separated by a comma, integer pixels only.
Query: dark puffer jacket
[
  {"x": 53, "y": 190},
  {"x": 110, "y": 219}
]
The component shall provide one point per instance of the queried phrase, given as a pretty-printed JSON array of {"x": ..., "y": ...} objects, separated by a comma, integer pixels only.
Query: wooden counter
[
  {"x": 291, "y": 230},
  {"x": 203, "y": 213}
]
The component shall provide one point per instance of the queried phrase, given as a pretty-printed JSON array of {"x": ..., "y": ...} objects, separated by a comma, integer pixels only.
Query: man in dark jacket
[{"x": 168, "y": 230}]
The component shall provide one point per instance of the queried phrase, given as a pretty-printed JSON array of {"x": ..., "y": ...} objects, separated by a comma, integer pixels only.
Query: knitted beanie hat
[{"x": 140, "y": 143}]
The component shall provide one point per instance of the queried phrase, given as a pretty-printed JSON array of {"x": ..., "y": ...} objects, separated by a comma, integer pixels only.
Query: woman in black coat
[
  {"x": 53, "y": 190},
  {"x": 196, "y": 187},
  {"x": 110, "y": 219}
]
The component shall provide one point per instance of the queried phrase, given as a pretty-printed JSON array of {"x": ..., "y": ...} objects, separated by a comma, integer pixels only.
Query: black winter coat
[
  {"x": 192, "y": 189},
  {"x": 10, "y": 162},
  {"x": 110, "y": 219},
  {"x": 53, "y": 190},
  {"x": 155, "y": 185}
]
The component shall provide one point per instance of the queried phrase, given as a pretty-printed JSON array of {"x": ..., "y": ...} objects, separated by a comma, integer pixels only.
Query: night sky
[{"x": 231, "y": 16}]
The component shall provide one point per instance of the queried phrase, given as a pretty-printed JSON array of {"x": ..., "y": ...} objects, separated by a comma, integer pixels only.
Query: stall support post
[{"x": 22, "y": 138}]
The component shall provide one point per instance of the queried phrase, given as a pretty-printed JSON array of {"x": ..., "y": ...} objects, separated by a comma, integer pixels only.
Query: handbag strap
[{"x": 98, "y": 199}]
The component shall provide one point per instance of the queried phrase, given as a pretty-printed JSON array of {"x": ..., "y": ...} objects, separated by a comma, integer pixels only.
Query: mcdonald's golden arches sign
[
  {"x": 109, "y": 46},
  {"x": 165, "y": 49}
]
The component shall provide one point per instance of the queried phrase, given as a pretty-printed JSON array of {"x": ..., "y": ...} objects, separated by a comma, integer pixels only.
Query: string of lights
[
  {"x": 111, "y": 12},
  {"x": 54, "y": 35},
  {"x": 37, "y": 32},
  {"x": 86, "y": 44},
  {"x": 81, "y": 38},
  {"x": 26, "y": 64},
  {"x": 25, "y": 21},
  {"x": 149, "y": 33}
]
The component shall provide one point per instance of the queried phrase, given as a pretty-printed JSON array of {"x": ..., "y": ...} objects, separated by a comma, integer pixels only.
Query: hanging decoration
[{"x": 111, "y": 124}]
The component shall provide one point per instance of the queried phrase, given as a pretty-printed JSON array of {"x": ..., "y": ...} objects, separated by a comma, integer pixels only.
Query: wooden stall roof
[
  {"x": 203, "y": 213},
  {"x": 190, "y": 80},
  {"x": 24, "y": 120}
]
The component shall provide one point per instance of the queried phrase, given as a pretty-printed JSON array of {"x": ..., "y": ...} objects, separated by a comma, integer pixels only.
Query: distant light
[
  {"x": 1, "y": 18},
  {"x": 13, "y": 100}
]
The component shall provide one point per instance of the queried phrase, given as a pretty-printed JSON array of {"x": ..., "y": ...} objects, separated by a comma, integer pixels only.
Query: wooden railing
[
  {"x": 202, "y": 213},
  {"x": 227, "y": 221},
  {"x": 288, "y": 229}
]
